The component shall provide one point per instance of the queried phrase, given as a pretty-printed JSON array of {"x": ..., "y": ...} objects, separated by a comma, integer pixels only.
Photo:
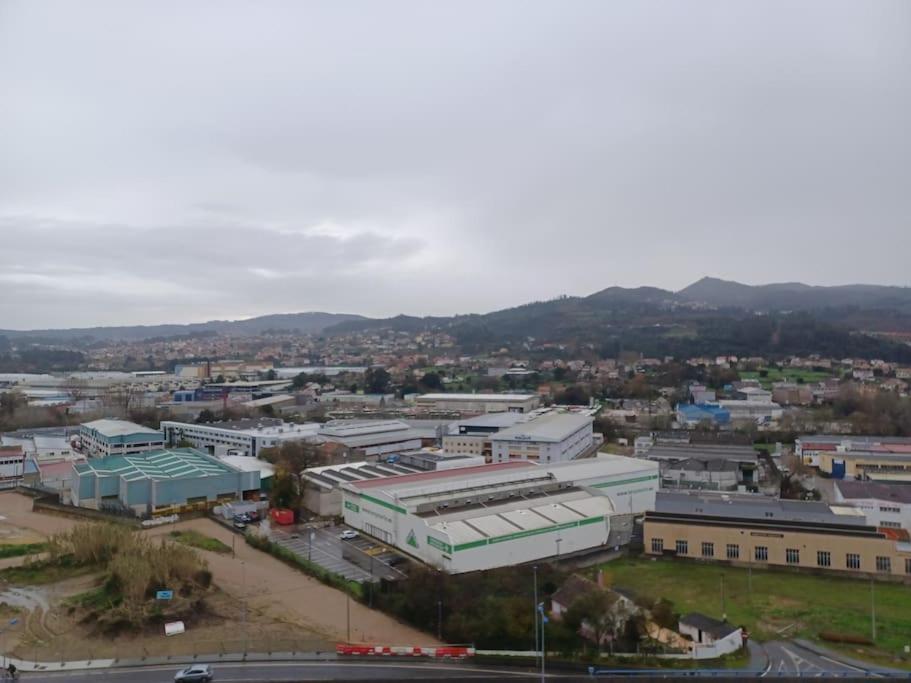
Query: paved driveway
[{"x": 321, "y": 547}]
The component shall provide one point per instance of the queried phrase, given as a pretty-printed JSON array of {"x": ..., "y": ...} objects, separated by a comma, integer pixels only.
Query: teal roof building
[{"x": 159, "y": 480}]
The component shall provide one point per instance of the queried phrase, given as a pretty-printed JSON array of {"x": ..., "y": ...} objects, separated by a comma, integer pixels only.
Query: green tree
[
  {"x": 376, "y": 381},
  {"x": 205, "y": 416},
  {"x": 596, "y": 612},
  {"x": 431, "y": 381},
  {"x": 283, "y": 493},
  {"x": 294, "y": 457},
  {"x": 270, "y": 376}
]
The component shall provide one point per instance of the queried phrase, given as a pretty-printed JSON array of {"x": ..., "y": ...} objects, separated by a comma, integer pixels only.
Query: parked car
[
  {"x": 238, "y": 524},
  {"x": 195, "y": 673},
  {"x": 347, "y": 535}
]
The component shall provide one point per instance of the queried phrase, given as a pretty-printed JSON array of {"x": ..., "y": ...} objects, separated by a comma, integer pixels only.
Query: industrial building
[
  {"x": 478, "y": 403},
  {"x": 691, "y": 415},
  {"x": 12, "y": 466},
  {"x": 706, "y": 466},
  {"x": 160, "y": 482},
  {"x": 472, "y": 434},
  {"x": 501, "y": 514},
  {"x": 322, "y": 485},
  {"x": 878, "y": 458},
  {"x": 118, "y": 437},
  {"x": 248, "y": 436},
  {"x": 376, "y": 438},
  {"x": 549, "y": 438},
  {"x": 884, "y": 505},
  {"x": 766, "y": 532}
]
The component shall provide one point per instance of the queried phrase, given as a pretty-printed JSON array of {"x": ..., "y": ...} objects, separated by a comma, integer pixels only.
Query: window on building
[
  {"x": 761, "y": 553},
  {"x": 888, "y": 508},
  {"x": 890, "y": 525},
  {"x": 883, "y": 564},
  {"x": 683, "y": 547},
  {"x": 908, "y": 566},
  {"x": 792, "y": 556},
  {"x": 708, "y": 549},
  {"x": 733, "y": 551},
  {"x": 823, "y": 558},
  {"x": 657, "y": 545},
  {"x": 852, "y": 561}
]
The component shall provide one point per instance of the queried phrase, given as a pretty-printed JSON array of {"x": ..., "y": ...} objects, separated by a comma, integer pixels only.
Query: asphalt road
[
  {"x": 790, "y": 659},
  {"x": 279, "y": 671}
]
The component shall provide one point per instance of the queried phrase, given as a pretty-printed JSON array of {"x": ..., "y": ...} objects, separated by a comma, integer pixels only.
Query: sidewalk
[{"x": 82, "y": 665}]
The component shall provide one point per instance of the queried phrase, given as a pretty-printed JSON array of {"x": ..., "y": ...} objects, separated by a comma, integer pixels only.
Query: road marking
[{"x": 850, "y": 666}]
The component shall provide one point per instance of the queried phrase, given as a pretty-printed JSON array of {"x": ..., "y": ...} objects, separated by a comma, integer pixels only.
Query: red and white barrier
[{"x": 445, "y": 651}]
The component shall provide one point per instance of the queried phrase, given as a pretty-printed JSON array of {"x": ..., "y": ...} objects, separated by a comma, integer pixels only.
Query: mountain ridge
[{"x": 602, "y": 307}]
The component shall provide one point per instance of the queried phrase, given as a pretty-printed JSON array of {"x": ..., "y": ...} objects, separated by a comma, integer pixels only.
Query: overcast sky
[{"x": 184, "y": 161}]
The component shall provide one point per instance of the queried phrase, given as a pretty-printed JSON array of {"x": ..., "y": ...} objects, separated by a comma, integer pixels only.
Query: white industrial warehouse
[{"x": 501, "y": 514}]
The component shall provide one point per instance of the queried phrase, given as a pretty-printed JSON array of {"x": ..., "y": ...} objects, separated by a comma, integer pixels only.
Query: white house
[
  {"x": 884, "y": 505},
  {"x": 711, "y": 638}
]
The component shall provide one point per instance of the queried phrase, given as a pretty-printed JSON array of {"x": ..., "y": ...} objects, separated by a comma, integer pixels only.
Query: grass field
[
  {"x": 20, "y": 549},
  {"x": 201, "y": 541},
  {"x": 786, "y": 375},
  {"x": 780, "y": 602}
]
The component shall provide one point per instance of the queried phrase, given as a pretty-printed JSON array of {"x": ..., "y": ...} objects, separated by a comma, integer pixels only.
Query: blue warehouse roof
[{"x": 175, "y": 463}]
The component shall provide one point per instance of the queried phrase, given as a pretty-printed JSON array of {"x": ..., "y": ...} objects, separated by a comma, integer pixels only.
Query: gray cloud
[{"x": 183, "y": 161}]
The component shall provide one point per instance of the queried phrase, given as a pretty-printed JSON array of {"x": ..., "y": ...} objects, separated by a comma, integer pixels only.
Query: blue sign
[{"x": 164, "y": 595}]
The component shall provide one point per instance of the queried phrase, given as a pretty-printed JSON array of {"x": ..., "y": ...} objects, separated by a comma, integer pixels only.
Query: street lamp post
[
  {"x": 535, "y": 610},
  {"x": 543, "y": 648}
]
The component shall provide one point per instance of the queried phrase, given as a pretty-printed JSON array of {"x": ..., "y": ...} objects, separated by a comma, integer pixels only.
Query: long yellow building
[{"x": 764, "y": 532}]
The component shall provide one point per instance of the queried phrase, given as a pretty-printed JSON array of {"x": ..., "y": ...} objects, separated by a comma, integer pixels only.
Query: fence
[
  {"x": 174, "y": 647},
  {"x": 53, "y": 507}
]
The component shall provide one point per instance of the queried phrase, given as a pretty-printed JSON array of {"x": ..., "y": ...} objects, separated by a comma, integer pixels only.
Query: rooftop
[
  {"x": 898, "y": 493},
  {"x": 110, "y": 428},
  {"x": 501, "y": 520},
  {"x": 717, "y": 629},
  {"x": 174, "y": 463},
  {"x": 476, "y": 397},
  {"x": 349, "y": 428},
  {"x": 752, "y": 507},
  {"x": 500, "y": 420},
  {"x": 722, "y": 452},
  {"x": 551, "y": 427}
]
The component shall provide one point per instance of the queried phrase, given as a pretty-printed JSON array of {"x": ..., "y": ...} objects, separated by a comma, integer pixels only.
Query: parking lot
[{"x": 325, "y": 548}]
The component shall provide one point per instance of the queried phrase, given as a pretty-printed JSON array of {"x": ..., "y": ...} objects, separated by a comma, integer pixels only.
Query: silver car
[{"x": 195, "y": 673}]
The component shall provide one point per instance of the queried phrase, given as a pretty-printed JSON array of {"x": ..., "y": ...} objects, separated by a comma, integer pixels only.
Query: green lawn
[
  {"x": 780, "y": 604},
  {"x": 201, "y": 541},
  {"x": 786, "y": 375}
]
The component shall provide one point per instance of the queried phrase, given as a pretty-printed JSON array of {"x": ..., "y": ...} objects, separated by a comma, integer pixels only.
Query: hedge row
[{"x": 353, "y": 588}]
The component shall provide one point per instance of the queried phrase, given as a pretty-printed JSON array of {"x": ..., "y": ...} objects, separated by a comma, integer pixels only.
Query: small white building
[
  {"x": 710, "y": 638},
  {"x": 884, "y": 505}
]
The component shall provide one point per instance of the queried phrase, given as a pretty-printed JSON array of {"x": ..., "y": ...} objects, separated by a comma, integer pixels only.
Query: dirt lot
[
  {"x": 294, "y": 598},
  {"x": 18, "y": 524},
  {"x": 283, "y": 609}
]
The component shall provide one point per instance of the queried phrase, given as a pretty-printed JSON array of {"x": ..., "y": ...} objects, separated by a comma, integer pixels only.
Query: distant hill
[
  {"x": 792, "y": 296},
  {"x": 304, "y": 323}
]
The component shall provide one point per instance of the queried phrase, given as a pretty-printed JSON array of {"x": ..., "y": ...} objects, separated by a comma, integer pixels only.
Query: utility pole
[
  {"x": 750, "y": 579},
  {"x": 440, "y": 620},
  {"x": 543, "y": 650},
  {"x": 535, "y": 610},
  {"x": 243, "y": 573},
  {"x": 348, "y": 606},
  {"x": 724, "y": 612},
  {"x": 873, "y": 606}
]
